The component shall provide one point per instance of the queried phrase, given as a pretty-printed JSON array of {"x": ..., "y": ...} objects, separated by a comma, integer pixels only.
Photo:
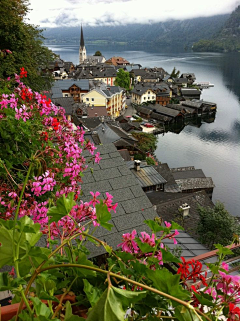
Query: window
[
  {"x": 148, "y": 92},
  {"x": 87, "y": 99},
  {"x": 66, "y": 95},
  {"x": 144, "y": 98},
  {"x": 92, "y": 99},
  {"x": 148, "y": 97},
  {"x": 152, "y": 97}
]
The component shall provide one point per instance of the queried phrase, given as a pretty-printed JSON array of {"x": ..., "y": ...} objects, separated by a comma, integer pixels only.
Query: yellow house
[
  {"x": 110, "y": 97},
  {"x": 142, "y": 95}
]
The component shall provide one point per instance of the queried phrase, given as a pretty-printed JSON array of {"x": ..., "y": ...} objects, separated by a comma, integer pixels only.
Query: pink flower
[
  {"x": 167, "y": 224},
  {"x": 147, "y": 239},
  {"x": 94, "y": 200},
  {"x": 129, "y": 245},
  {"x": 97, "y": 158},
  {"x": 225, "y": 266}
]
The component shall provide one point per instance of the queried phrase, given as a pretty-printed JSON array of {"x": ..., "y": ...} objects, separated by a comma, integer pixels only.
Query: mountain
[
  {"x": 226, "y": 39},
  {"x": 172, "y": 33}
]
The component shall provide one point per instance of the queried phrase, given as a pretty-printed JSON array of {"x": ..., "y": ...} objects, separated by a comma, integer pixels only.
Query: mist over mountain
[
  {"x": 172, "y": 33},
  {"x": 226, "y": 39}
]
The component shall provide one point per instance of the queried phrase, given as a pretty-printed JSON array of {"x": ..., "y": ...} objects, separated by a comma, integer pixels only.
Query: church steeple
[
  {"x": 82, "y": 39},
  {"x": 82, "y": 49}
]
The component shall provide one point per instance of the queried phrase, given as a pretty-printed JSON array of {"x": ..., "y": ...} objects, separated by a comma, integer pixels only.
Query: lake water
[{"x": 213, "y": 147}]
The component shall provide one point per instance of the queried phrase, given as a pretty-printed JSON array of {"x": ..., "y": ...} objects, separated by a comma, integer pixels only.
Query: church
[{"x": 83, "y": 58}]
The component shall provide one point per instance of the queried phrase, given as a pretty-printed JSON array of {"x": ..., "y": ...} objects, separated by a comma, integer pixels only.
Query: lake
[{"x": 213, "y": 147}]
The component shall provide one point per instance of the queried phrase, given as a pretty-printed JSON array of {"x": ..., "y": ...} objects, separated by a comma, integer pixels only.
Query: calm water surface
[{"x": 213, "y": 147}]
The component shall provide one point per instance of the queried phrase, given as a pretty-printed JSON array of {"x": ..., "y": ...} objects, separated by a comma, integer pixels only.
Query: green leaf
[
  {"x": 6, "y": 248},
  {"x": 45, "y": 296},
  {"x": 39, "y": 252},
  {"x": 169, "y": 257},
  {"x": 223, "y": 250},
  {"x": 4, "y": 281},
  {"x": 204, "y": 299},
  {"x": 176, "y": 226},
  {"x": 156, "y": 227},
  {"x": 113, "y": 303},
  {"x": 41, "y": 309},
  {"x": 144, "y": 247},
  {"x": 103, "y": 215},
  {"x": 82, "y": 259},
  {"x": 63, "y": 208},
  {"x": 93, "y": 294},
  {"x": 214, "y": 268},
  {"x": 184, "y": 314},
  {"x": 165, "y": 281}
]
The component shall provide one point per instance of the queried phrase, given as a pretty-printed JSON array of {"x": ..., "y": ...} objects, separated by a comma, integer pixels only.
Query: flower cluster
[
  {"x": 58, "y": 161},
  {"x": 130, "y": 244},
  {"x": 192, "y": 271}
]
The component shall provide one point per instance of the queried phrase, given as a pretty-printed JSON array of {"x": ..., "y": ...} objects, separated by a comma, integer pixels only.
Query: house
[
  {"x": 117, "y": 61},
  {"x": 191, "y": 180},
  {"x": 70, "y": 88},
  {"x": 175, "y": 115},
  {"x": 94, "y": 60},
  {"x": 180, "y": 82},
  {"x": 190, "y": 93},
  {"x": 147, "y": 176},
  {"x": 142, "y": 94},
  {"x": 190, "y": 77},
  {"x": 67, "y": 103},
  {"x": 169, "y": 207},
  {"x": 101, "y": 72},
  {"x": 143, "y": 111},
  {"x": 110, "y": 97},
  {"x": 163, "y": 96}
]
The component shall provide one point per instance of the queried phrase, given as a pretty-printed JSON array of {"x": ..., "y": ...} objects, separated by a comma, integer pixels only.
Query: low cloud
[{"x": 68, "y": 13}]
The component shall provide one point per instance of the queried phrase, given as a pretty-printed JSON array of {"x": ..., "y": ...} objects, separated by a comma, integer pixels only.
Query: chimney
[
  {"x": 137, "y": 164},
  {"x": 185, "y": 209}
]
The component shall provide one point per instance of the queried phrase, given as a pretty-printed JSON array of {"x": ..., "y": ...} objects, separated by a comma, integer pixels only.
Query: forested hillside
[
  {"x": 226, "y": 39},
  {"x": 170, "y": 33}
]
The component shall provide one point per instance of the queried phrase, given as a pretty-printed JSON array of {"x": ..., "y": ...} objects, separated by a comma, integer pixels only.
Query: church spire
[
  {"x": 82, "y": 49},
  {"x": 82, "y": 39}
]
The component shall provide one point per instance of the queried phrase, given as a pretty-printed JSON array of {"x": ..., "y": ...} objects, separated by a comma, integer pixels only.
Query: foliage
[
  {"x": 98, "y": 53},
  {"x": 140, "y": 156},
  {"x": 21, "y": 45},
  {"x": 146, "y": 142},
  {"x": 175, "y": 73},
  {"x": 123, "y": 79},
  {"x": 150, "y": 161},
  {"x": 216, "y": 225},
  {"x": 44, "y": 199}
]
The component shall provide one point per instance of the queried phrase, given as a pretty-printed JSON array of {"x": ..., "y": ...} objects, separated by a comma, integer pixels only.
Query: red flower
[
  {"x": 55, "y": 124},
  {"x": 234, "y": 312},
  {"x": 23, "y": 72},
  {"x": 195, "y": 273},
  {"x": 45, "y": 136}
]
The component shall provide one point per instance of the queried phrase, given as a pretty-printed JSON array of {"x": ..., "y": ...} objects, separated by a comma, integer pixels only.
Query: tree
[
  {"x": 98, "y": 53},
  {"x": 175, "y": 73},
  {"x": 216, "y": 225},
  {"x": 24, "y": 42},
  {"x": 123, "y": 79},
  {"x": 146, "y": 142}
]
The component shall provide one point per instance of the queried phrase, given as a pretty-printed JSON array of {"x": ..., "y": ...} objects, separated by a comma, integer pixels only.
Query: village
[{"x": 120, "y": 120}]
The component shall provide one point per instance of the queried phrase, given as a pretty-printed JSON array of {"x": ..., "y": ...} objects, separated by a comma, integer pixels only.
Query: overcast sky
[{"x": 54, "y": 13}]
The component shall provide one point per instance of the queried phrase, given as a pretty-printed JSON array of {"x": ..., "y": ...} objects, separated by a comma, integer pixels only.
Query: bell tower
[{"x": 82, "y": 49}]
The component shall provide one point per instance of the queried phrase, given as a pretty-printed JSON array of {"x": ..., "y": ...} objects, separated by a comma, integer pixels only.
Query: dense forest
[
  {"x": 170, "y": 33},
  {"x": 226, "y": 39}
]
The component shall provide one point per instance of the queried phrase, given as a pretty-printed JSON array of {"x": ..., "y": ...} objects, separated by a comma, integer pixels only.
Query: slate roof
[
  {"x": 192, "y": 104},
  {"x": 91, "y": 123},
  {"x": 143, "y": 110},
  {"x": 168, "y": 204},
  {"x": 171, "y": 185},
  {"x": 65, "y": 84},
  {"x": 97, "y": 111},
  {"x": 195, "y": 183},
  {"x": 147, "y": 175},
  {"x": 197, "y": 173},
  {"x": 112, "y": 134},
  {"x": 124, "y": 154},
  {"x": 190, "y": 91},
  {"x": 65, "y": 102},
  {"x": 163, "y": 110},
  {"x": 112, "y": 175}
]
